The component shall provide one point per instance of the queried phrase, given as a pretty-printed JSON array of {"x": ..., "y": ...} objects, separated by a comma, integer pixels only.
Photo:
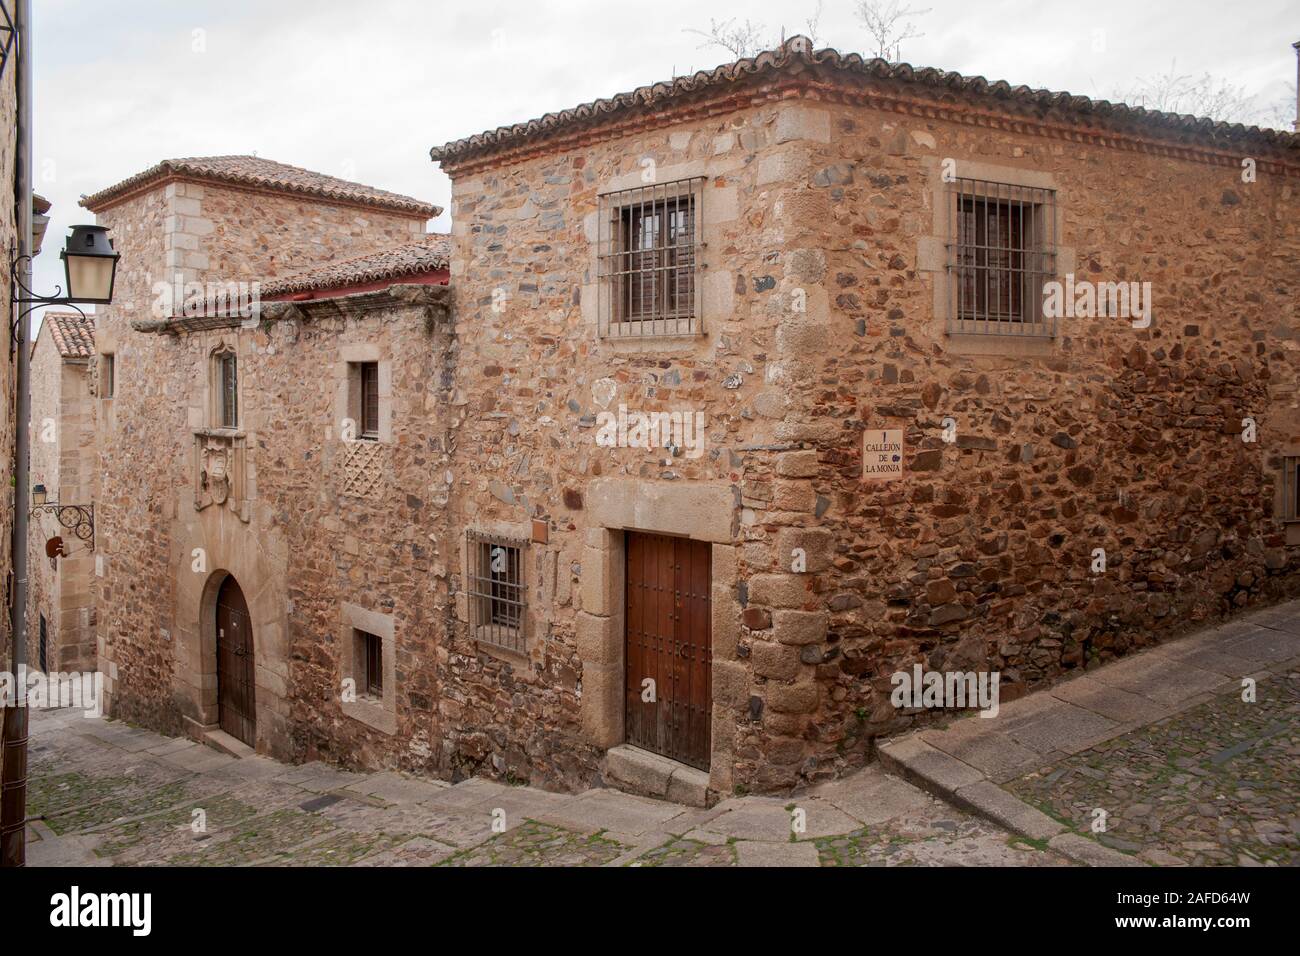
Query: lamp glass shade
[
  {"x": 91, "y": 265},
  {"x": 38, "y": 494}
]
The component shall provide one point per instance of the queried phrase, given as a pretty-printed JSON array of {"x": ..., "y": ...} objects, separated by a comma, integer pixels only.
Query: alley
[{"x": 1194, "y": 774}]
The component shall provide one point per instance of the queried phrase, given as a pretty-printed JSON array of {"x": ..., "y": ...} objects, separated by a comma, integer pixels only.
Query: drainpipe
[{"x": 13, "y": 770}]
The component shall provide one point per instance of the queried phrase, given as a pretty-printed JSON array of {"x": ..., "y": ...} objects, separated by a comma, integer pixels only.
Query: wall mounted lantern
[
  {"x": 89, "y": 265},
  {"x": 79, "y": 519}
]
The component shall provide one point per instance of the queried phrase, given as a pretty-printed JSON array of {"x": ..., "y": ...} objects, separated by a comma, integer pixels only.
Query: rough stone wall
[
  {"x": 979, "y": 557},
  {"x": 131, "y": 590},
  {"x": 1116, "y": 438},
  {"x": 42, "y": 580},
  {"x": 231, "y": 235},
  {"x": 8, "y": 239},
  {"x": 145, "y": 432},
  {"x": 63, "y": 459},
  {"x": 75, "y": 637},
  {"x": 316, "y": 545}
]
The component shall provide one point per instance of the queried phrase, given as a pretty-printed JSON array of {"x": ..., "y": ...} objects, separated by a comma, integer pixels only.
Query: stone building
[
  {"x": 744, "y": 396},
  {"x": 839, "y": 264},
  {"x": 60, "y": 613},
  {"x": 226, "y": 485},
  {"x": 8, "y": 369},
  {"x": 18, "y": 322}
]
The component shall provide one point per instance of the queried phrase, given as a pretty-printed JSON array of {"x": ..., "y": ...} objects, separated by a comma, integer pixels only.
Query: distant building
[
  {"x": 248, "y": 534},
  {"x": 61, "y": 623}
]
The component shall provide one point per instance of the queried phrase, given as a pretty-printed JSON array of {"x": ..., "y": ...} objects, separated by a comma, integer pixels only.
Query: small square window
[
  {"x": 368, "y": 658},
  {"x": 496, "y": 590},
  {"x": 1001, "y": 251},
  {"x": 370, "y": 664},
  {"x": 649, "y": 257}
]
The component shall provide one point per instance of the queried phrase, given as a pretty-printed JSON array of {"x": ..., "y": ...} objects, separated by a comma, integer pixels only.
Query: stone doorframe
[
  {"x": 703, "y": 511},
  {"x": 229, "y": 549}
]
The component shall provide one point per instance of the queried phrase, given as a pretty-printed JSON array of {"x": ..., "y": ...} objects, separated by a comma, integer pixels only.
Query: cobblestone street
[
  {"x": 1205, "y": 778},
  {"x": 1187, "y": 753},
  {"x": 1215, "y": 785},
  {"x": 110, "y": 794}
]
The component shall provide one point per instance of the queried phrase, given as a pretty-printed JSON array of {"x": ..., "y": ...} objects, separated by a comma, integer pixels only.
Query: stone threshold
[
  {"x": 647, "y": 774},
  {"x": 218, "y": 739},
  {"x": 966, "y": 762}
]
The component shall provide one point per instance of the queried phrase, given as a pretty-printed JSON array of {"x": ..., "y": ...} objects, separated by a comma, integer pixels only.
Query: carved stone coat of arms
[{"x": 219, "y": 471}]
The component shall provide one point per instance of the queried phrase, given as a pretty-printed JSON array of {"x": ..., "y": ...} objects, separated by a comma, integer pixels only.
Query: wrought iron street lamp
[
  {"x": 89, "y": 266},
  {"x": 79, "y": 519}
]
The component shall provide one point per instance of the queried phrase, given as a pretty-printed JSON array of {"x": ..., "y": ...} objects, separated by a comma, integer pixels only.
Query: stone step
[
  {"x": 647, "y": 774},
  {"x": 220, "y": 740}
]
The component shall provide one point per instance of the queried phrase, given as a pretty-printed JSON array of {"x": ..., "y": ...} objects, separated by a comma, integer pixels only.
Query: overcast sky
[{"x": 363, "y": 89}]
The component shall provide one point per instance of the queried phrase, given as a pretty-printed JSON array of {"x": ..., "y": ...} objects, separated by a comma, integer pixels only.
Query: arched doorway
[{"x": 236, "y": 706}]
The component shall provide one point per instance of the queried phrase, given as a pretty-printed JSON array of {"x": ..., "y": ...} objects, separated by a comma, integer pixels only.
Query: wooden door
[
  {"x": 235, "y": 687},
  {"x": 668, "y": 641}
]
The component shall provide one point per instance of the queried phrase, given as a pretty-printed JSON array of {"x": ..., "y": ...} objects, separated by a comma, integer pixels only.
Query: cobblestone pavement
[
  {"x": 109, "y": 794},
  {"x": 1187, "y": 753},
  {"x": 1184, "y": 770},
  {"x": 1214, "y": 785}
]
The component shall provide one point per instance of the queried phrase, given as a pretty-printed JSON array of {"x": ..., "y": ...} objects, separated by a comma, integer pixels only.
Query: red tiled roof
[
  {"x": 428, "y": 255},
  {"x": 263, "y": 174},
  {"x": 797, "y": 55},
  {"x": 73, "y": 333}
]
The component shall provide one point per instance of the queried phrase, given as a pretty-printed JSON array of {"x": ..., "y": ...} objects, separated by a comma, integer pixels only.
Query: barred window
[
  {"x": 496, "y": 590},
  {"x": 1001, "y": 250},
  {"x": 649, "y": 256},
  {"x": 1291, "y": 488}
]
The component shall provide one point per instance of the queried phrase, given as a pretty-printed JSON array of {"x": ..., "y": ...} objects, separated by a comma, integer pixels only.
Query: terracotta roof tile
[
  {"x": 797, "y": 55},
  {"x": 427, "y": 255},
  {"x": 264, "y": 174},
  {"x": 73, "y": 333}
]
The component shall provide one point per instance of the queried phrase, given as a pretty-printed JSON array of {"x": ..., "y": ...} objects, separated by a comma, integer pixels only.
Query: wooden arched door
[{"x": 236, "y": 704}]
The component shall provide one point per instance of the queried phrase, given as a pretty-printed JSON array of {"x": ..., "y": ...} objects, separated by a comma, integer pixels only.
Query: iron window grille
[
  {"x": 372, "y": 664},
  {"x": 1001, "y": 252},
  {"x": 228, "y": 378},
  {"x": 1291, "y": 488},
  {"x": 496, "y": 590},
  {"x": 649, "y": 259},
  {"x": 43, "y": 648}
]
